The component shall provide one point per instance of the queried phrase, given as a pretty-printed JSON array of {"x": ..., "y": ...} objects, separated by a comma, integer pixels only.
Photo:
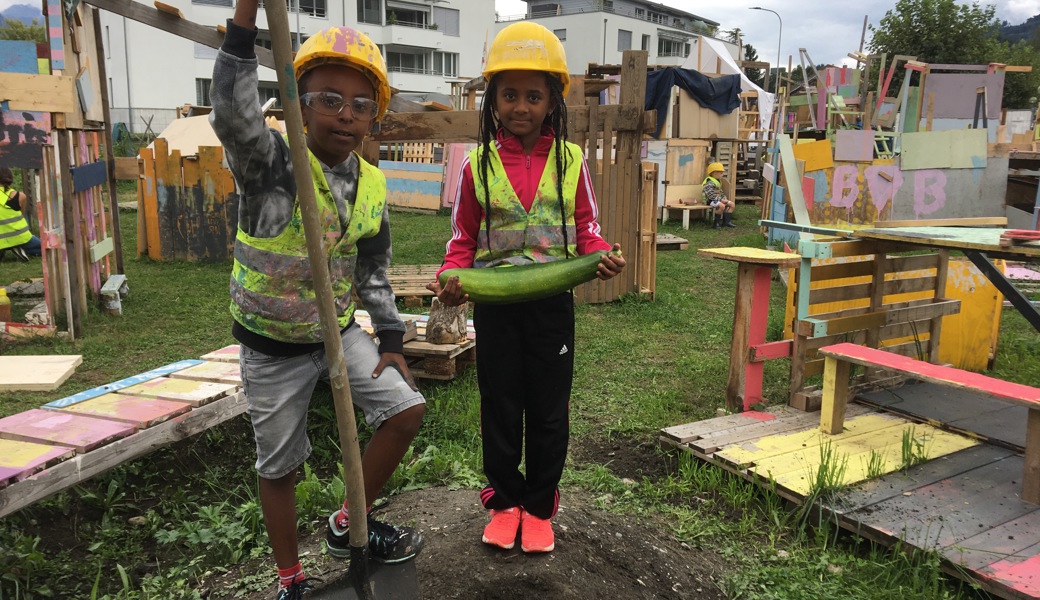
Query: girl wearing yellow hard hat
[
  {"x": 343, "y": 90},
  {"x": 716, "y": 198},
  {"x": 525, "y": 197}
]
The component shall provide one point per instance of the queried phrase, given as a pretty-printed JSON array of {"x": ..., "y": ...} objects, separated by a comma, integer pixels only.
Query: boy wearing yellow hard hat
[
  {"x": 716, "y": 198},
  {"x": 344, "y": 91}
]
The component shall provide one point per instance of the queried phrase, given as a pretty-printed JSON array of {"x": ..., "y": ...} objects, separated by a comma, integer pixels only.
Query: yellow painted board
[
  {"x": 753, "y": 452},
  {"x": 753, "y": 255},
  {"x": 192, "y": 391},
  {"x": 856, "y": 451},
  {"x": 218, "y": 372},
  {"x": 39, "y": 93},
  {"x": 817, "y": 155}
]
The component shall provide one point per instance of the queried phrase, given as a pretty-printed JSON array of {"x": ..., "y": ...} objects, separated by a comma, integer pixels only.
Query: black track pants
[{"x": 525, "y": 365}]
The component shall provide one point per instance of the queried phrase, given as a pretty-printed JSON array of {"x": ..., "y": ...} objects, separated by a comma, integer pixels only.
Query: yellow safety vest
[
  {"x": 519, "y": 236},
  {"x": 14, "y": 231},
  {"x": 272, "y": 287}
]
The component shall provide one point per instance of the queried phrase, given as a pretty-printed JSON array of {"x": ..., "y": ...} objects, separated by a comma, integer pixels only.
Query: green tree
[
  {"x": 755, "y": 75},
  {"x": 945, "y": 32},
  {"x": 13, "y": 29}
]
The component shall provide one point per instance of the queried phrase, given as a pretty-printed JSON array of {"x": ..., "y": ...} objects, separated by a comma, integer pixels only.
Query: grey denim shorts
[{"x": 278, "y": 393}]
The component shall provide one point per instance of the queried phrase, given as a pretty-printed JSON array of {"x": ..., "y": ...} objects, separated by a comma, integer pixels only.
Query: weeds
[
  {"x": 912, "y": 451},
  {"x": 829, "y": 476}
]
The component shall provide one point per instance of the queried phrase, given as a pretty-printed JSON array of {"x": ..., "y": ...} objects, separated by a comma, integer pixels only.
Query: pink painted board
[
  {"x": 138, "y": 411},
  {"x": 456, "y": 155},
  {"x": 757, "y": 335},
  {"x": 1021, "y": 576},
  {"x": 808, "y": 191},
  {"x": 219, "y": 372},
  {"x": 1022, "y": 273},
  {"x": 225, "y": 354},
  {"x": 191, "y": 391},
  {"x": 19, "y": 460},
  {"x": 62, "y": 429},
  {"x": 854, "y": 145}
]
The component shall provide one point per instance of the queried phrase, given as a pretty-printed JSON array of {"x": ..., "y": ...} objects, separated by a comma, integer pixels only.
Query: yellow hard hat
[
  {"x": 350, "y": 48},
  {"x": 715, "y": 166},
  {"x": 527, "y": 46}
]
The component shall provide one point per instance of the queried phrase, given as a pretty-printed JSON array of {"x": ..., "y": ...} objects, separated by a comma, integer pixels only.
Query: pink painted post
[
  {"x": 87, "y": 209},
  {"x": 759, "y": 322}
]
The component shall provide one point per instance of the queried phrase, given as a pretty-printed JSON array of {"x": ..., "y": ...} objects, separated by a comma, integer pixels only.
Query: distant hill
[
  {"x": 1017, "y": 33},
  {"x": 24, "y": 13}
]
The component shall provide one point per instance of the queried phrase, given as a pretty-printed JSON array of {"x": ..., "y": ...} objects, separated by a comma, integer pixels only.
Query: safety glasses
[{"x": 331, "y": 104}]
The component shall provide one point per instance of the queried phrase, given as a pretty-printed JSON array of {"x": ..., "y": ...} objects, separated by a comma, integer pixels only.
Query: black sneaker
[
  {"x": 386, "y": 543},
  {"x": 297, "y": 590},
  {"x": 20, "y": 254}
]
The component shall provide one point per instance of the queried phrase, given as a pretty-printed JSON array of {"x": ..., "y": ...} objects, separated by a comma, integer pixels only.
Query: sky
[{"x": 826, "y": 33}]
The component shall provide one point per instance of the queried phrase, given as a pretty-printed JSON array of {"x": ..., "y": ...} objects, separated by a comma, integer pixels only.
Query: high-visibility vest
[
  {"x": 706, "y": 180},
  {"x": 14, "y": 231},
  {"x": 519, "y": 236},
  {"x": 272, "y": 287}
]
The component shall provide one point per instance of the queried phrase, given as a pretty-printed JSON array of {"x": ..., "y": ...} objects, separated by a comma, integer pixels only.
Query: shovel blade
[{"x": 389, "y": 582}]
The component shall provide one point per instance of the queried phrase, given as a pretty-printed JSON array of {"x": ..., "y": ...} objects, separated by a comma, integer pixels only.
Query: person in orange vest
[
  {"x": 716, "y": 198},
  {"x": 15, "y": 234},
  {"x": 525, "y": 196},
  {"x": 344, "y": 91}
]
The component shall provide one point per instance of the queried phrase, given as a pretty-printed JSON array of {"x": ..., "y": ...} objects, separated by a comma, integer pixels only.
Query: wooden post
[
  {"x": 835, "y": 395},
  {"x": 935, "y": 325},
  {"x": 76, "y": 292},
  {"x": 110, "y": 158},
  {"x": 1031, "y": 470}
]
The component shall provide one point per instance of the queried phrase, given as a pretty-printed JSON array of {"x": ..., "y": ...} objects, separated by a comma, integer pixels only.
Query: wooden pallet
[{"x": 409, "y": 282}]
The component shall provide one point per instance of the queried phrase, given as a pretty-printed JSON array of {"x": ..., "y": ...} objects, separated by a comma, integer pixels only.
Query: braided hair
[{"x": 489, "y": 124}]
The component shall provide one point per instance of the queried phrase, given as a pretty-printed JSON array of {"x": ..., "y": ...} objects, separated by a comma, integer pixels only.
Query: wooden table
[
  {"x": 750, "y": 319},
  {"x": 978, "y": 244}
]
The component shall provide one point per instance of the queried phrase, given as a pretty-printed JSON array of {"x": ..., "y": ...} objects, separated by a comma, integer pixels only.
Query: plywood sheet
[
  {"x": 955, "y": 149},
  {"x": 817, "y": 155},
  {"x": 19, "y": 460},
  {"x": 854, "y": 145},
  {"x": 138, "y": 411},
  {"x": 36, "y": 373},
  {"x": 225, "y": 354},
  {"x": 217, "y": 372},
  {"x": 62, "y": 429},
  {"x": 191, "y": 391},
  {"x": 955, "y": 94}
]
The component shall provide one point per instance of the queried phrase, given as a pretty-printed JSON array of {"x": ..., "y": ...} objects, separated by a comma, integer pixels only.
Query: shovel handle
[{"x": 278, "y": 21}]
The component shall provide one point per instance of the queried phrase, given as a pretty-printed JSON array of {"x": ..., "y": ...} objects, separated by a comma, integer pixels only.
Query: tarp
[
  {"x": 715, "y": 50},
  {"x": 720, "y": 94}
]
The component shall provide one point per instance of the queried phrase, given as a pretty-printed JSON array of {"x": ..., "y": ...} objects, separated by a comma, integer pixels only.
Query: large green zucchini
[{"x": 507, "y": 284}]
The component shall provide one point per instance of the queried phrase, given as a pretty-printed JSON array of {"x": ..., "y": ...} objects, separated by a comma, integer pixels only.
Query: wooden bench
[
  {"x": 686, "y": 199},
  {"x": 840, "y": 357}
]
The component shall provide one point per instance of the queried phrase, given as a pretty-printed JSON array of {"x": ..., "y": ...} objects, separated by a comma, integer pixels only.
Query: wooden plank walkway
[{"x": 962, "y": 502}]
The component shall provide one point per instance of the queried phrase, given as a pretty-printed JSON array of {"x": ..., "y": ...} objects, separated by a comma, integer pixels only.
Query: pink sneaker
[
  {"x": 501, "y": 531},
  {"x": 536, "y": 535}
]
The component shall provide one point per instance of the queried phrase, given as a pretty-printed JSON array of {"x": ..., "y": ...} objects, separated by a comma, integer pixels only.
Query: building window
[
  {"x": 213, "y": 2},
  {"x": 446, "y": 64},
  {"x": 402, "y": 62},
  {"x": 545, "y": 10},
  {"x": 398, "y": 13},
  {"x": 666, "y": 47},
  {"x": 561, "y": 33},
  {"x": 446, "y": 20},
  {"x": 368, "y": 12},
  {"x": 204, "y": 51},
  {"x": 266, "y": 91},
  {"x": 315, "y": 8},
  {"x": 646, "y": 43},
  {"x": 202, "y": 91},
  {"x": 624, "y": 40}
]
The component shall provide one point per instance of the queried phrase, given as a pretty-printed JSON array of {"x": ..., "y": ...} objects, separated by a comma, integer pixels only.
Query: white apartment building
[
  {"x": 427, "y": 45},
  {"x": 598, "y": 31}
]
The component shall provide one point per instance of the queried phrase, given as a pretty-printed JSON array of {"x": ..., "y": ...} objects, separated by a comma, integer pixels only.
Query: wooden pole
[
  {"x": 110, "y": 158},
  {"x": 278, "y": 20}
]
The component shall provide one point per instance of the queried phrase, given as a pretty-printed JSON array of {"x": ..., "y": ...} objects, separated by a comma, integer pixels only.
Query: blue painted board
[
  {"x": 122, "y": 383},
  {"x": 90, "y": 175}
]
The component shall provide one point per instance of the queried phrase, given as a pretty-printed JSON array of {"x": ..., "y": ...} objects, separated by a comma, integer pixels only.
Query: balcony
[{"x": 414, "y": 34}]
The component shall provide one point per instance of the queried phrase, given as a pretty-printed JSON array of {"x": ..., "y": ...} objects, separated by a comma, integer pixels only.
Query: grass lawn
[{"x": 640, "y": 365}]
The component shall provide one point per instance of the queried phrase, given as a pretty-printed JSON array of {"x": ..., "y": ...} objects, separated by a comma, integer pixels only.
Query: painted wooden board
[
  {"x": 52, "y": 427},
  {"x": 225, "y": 354},
  {"x": 39, "y": 93},
  {"x": 19, "y": 459},
  {"x": 89, "y": 175},
  {"x": 413, "y": 185},
  {"x": 1017, "y": 576},
  {"x": 899, "y": 482},
  {"x": 789, "y": 165},
  {"x": 1006, "y": 390},
  {"x": 817, "y": 155},
  {"x": 954, "y": 94},
  {"x": 960, "y": 238},
  {"x": 692, "y": 431},
  {"x": 36, "y": 373},
  {"x": 854, "y": 145},
  {"x": 18, "y": 56},
  {"x": 217, "y": 372},
  {"x": 954, "y": 149},
  {"x": 122, "y": 383},
  {"x": 754, "y": 255},
  {"x": 27, "y": 132},
  {"x": 136, "y": 410},
  {"x": 1013, "y": 541},
  {"x": 192, "y": 391},
  {"x": 795, "y": 471},
  {"x": 792, "y": 421}
]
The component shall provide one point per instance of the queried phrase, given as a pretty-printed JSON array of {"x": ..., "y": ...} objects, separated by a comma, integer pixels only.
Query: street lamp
[{"x": 779, "y": 36}]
